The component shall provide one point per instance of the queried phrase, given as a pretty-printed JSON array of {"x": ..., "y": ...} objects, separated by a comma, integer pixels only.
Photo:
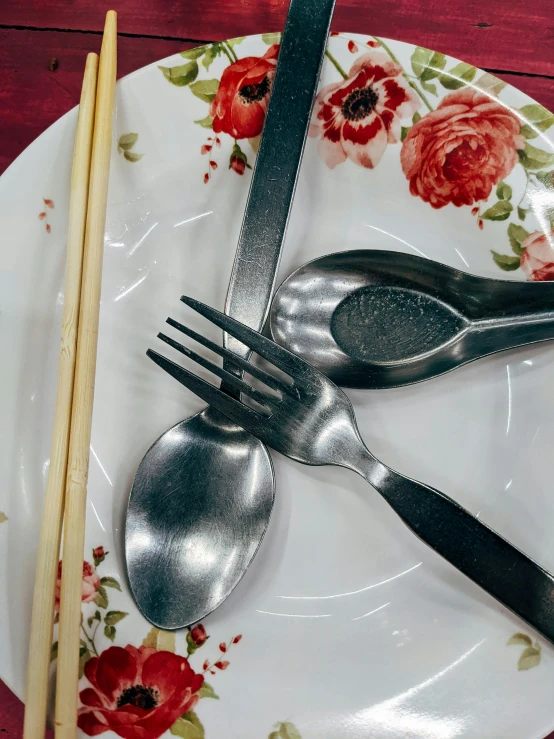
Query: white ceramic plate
[{"x": 350, "y": 626}]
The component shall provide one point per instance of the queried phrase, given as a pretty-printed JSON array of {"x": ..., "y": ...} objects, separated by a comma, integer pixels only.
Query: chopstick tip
[
  {"x": 110, "y": 25},
  {"x": 92, "y": 60}
]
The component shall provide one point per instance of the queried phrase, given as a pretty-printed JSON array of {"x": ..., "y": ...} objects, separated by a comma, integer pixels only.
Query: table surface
[{"x": 513, "y": 40}]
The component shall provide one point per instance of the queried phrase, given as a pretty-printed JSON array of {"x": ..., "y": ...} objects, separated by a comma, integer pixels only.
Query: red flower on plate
[
  {"x": 198, "y": 635},
  {"x": 241, "y": 101},
  {"x": 89, "y": 586},
  {"x": 358, "y": 117},
  {"x": 460, "y": 151},
  {"x": 237, "y": 164},
  {"x": 137, "y": 693},
  {"x": 538, "y": 258}
]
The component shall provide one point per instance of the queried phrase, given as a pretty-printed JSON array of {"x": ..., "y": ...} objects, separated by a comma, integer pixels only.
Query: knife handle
[{"x": 278, "y": 162}]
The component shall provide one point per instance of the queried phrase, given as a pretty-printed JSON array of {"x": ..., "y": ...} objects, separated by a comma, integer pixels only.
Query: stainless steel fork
[{"x": 311, "y": 420}]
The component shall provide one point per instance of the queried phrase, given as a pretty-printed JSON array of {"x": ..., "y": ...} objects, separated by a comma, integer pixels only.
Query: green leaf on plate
[
  {"x": 420, "y": 60},
  {"x": 131, "y": 156},
  {"x": 500, "y": 211},
  {"x": 206, "y": 691},
  {"x": 205, "y": 89},
  {"x": 127, "y": 141},
  {"x": 530, "y": 657},
  {"x": 404, "y": 132},
  {"x": 521, "y": 639},
  {"x": 533, "y": 158},
  {"x": 110, "y": 582},
  {"x": 490, "y": 84},
  {"x": 113, "y": 617},
  {"x": 503, "y": 191},
  {"x": 458, "y": 76},
  {"x": 206, "y": 122},
  {"x": 271, "y": 38},
  {"x": 91, "y": 619},
  {"x": 54, "y": 651},
  {"x": 234, "y": 41},
  {"x": 109, "y": 632},
  {"x": 3, "y": 517},
  {"x": 285, "y": 730},
  {"x": 160, "y": 640},
  {"x": 528, "y": 132},
  {"x": 195, "y": 53},
  {"x": 191, "y": 644},
  {"x": 428, "y": 87},
  {"x": 416, "y": 117},
  {"x": 188, "y": 727},
  {"x": 101, "y": 599},
  {"x": 183, "y": 74},
  {"x": 522, "y": 212},
  {"x": 213, "y": 51},
  {"x": 434, "y": 67},
  {"x": 508, "y": 264},
  {"x": 84, "y": 656},
  {"x": 538, "y": 116},
  {"x": 517, "y": 235}
]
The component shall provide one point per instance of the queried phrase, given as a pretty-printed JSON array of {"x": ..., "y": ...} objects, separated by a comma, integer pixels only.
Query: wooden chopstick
[
  {"x": 42, "y": 621},
  {"x": 83, "y": 392}
]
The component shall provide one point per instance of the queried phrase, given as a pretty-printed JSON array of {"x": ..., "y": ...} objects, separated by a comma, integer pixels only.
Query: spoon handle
[
  {"x": 497, "y": 334},
  {"x": 471, "y": 546},
  {"x": 278, "y": 162}
]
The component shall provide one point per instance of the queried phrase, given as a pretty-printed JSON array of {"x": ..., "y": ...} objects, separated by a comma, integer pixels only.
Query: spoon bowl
[
  {"x": 379, "y": 319},
  {"x": 201, "y": 501}
]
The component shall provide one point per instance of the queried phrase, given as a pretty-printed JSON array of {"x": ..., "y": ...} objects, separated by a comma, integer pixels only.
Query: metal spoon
[
  {"x": 378, "y": 319},
  {"x": 203, "y": 493}
]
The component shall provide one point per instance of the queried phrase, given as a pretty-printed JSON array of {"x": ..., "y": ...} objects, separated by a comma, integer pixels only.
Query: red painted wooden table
[{"x": 43, "y": 44}]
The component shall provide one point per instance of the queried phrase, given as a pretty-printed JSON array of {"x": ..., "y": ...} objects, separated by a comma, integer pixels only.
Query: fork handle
[{"x": 497, "y": 566}]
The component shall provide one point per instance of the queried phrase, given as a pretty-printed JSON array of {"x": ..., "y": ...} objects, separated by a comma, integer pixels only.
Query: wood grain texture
[
  {"x": 32, "y": 97},
  {"x": 46, "y": 572},
  {"x": 500, "y": 34},
  {"x": 67, "y": 677}
]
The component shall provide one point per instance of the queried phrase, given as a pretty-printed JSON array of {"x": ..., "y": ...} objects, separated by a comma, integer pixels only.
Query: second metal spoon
[
  {"x": 377, "y": 319},
  {"x": 203, "y": 493}
]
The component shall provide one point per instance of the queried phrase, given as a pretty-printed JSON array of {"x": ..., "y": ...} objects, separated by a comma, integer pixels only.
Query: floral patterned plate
[{"x": 345, "y": 625}]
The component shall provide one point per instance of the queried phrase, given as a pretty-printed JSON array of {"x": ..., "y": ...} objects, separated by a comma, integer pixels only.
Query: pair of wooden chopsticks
[{"x": 65, "y": 499}]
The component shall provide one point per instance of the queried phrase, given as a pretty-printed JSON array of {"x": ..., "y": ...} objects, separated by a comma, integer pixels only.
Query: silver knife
[{"x": 277, "y": 165}]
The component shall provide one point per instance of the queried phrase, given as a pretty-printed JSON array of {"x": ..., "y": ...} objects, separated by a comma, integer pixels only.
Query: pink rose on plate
[
  {"x": 538, "y": 258},
  {"x": 460, "y": 151},
  {"x": 89, "y": 585},
  {"x": 356, "y": 118}
]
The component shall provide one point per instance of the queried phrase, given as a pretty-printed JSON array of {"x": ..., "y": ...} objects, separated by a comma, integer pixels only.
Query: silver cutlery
[
  {"x": 376, "y": 319},
  {"x": 203, "y": 493},
  {"x": 311, "y": 420}
]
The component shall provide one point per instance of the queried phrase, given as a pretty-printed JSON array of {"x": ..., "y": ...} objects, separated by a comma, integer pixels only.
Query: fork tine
[
  {"x": 297, "y": 368},
  {"x": 241, "y": 414},
  {"x": 229, "y": 378},
  {"x": 260, "y": 374}
]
